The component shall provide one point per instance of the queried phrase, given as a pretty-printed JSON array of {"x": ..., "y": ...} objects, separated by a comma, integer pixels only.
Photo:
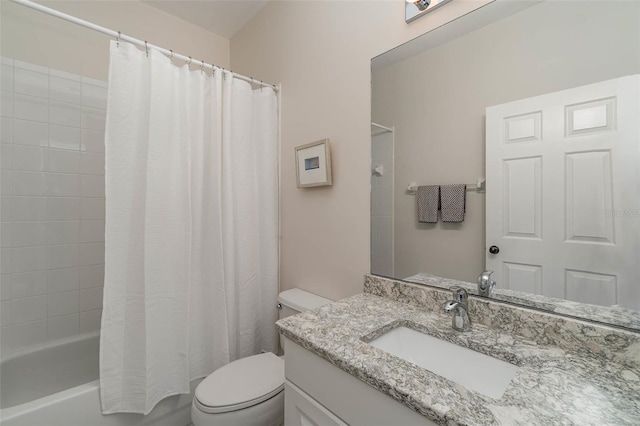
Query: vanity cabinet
[{"x": 317, "y": 392}]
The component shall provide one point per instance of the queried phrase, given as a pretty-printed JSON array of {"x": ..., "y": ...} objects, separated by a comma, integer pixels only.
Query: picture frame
[{"x": 313, "y": 164}]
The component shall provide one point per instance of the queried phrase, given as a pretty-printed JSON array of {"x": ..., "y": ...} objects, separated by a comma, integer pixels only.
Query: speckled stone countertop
[{"x": 554, "y": 385}]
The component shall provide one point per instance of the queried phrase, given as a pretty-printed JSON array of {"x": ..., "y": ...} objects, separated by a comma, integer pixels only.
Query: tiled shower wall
[
  {"x": 382, "y": 245},
  {"x": 52, "y": 204}
]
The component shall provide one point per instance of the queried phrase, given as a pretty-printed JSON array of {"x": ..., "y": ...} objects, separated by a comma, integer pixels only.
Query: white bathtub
[{"x": 56, "y": 385}]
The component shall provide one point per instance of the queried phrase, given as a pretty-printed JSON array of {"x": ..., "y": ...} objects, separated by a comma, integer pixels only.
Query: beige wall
[
  {"x": 320, "y": 51},
  {"x": 37, "y": 38},
  {"x": 439, "y": 122}
]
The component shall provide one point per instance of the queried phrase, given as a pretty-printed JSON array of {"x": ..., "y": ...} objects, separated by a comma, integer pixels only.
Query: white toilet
[{"x": 250, "y": 391}]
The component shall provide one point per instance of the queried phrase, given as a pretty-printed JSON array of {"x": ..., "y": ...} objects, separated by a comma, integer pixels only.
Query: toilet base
[{"x": 267, "y": 413}]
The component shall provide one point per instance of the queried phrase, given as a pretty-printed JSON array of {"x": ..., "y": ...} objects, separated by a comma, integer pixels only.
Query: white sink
[{"x": 471, "y": 369}]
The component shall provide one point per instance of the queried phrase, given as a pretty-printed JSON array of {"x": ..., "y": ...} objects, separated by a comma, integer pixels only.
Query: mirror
[{"x": 542, "y": 100}]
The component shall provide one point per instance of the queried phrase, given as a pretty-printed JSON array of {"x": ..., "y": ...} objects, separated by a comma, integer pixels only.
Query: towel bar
[{"x": 479, "y": 186}]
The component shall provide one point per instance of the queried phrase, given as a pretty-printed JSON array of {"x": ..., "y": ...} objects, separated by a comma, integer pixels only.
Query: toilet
[{"x": 250, "y": 391}]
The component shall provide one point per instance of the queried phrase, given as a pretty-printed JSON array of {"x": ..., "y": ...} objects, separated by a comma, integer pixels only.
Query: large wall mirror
[{"x": 541, "y": 100}]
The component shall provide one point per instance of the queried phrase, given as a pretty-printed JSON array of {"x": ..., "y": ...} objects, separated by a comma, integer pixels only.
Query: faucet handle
[
  {"x": 460, "y": 295},
  {"x": 485, "y": 284}
]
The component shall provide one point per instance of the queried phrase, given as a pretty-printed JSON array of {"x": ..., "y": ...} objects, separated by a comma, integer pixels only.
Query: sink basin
[{"x": 473, "y": 370}]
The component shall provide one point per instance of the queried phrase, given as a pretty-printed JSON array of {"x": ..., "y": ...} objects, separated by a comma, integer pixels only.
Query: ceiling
[{"x": 223, "y": 17}]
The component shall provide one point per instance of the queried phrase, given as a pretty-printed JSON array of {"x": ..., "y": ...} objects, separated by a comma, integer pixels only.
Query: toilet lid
[{"x": 241, "y": 384}]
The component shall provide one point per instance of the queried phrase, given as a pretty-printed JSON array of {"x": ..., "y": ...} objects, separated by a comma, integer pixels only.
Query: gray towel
[
  {"x": 428, "y": 200},
  {"x": 452, "y": 201}
]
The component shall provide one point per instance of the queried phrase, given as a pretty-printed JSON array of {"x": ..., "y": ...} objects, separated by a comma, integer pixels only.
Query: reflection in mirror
[{"x": 544, "y": 103}]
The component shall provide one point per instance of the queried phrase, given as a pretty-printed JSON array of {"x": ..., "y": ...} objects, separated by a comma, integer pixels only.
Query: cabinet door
[{"x": 301, "y": 410}]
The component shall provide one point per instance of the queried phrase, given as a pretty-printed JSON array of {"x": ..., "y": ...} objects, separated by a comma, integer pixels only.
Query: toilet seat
[{"x": 241, "y": 384}]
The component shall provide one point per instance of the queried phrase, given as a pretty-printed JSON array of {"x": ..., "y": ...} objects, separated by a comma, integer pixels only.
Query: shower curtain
[{"x": 191, "y": 244}]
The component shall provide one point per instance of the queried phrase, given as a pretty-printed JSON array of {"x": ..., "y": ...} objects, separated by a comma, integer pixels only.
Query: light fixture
[{"x": 413, "y": 9}]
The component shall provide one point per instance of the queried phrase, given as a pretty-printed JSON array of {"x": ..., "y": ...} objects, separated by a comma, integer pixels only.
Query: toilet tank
[{"x": 294, "y": 301}]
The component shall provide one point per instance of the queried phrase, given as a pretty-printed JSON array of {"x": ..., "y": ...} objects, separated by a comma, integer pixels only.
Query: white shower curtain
[{"x": 191, "y": 227}]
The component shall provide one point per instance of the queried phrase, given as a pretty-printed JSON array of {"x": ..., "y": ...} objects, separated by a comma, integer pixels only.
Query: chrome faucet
[
  {"x": 458, "y": 307},
  {"x": 485, "y": 284}
]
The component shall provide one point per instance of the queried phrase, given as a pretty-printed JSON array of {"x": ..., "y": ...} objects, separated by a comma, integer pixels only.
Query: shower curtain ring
[
  {"x": 146, "y": 48},
  {"x": 201, "y": 67},
  {"x": 189, "y": 63},
  {"x": 171, "y": 57},
  {"x": 261, "y": 86},
  {"x": 118, "y": 40}
]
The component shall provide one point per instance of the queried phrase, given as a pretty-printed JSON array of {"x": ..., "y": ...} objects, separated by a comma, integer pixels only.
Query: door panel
[{"x": 563, "y": 193}]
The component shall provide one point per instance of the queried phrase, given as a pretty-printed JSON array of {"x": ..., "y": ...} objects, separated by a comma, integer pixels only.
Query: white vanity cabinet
[{"x": 318, "y": 393}]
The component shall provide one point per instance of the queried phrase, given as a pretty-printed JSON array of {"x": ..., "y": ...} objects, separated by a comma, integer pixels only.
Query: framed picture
[{"x": 313, "y": 164}]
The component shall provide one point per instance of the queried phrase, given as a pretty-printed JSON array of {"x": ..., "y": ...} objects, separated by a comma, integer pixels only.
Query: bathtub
[{"x": 57, "y": 385}]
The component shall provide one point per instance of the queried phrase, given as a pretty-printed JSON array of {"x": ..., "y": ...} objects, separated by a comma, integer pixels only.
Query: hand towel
[
  {"x": 452, "y": 202},
  {"x": 427, "y": 201}
]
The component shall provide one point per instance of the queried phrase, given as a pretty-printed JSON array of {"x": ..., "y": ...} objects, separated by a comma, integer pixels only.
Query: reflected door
[{"x": 563, "y": 193}]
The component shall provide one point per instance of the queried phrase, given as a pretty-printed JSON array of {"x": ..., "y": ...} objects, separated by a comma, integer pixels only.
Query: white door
[{"x": 563, "y": 193}]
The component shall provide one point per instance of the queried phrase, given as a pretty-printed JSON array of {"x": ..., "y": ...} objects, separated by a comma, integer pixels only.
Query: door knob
[{"x": 494, "y": 249}]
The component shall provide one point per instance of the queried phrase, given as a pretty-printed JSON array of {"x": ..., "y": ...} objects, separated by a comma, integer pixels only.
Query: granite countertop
[{"x": 552, "y": 386}]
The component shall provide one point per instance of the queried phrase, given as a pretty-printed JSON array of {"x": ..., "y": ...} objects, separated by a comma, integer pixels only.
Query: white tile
[
  {"x": 6, "y": 260},
  {"x": 67, "y": 232},
  {"x": 93, "y": 118},
  {"x": 63, "y": 280},
  {"x": 6, "y": 283},
  {"x": 29, "y": 234},
  {"x": 29, "y": 158},
  {"x": 30, "y": 133},
  {"x": 64, "y": 137},
  {"x": 31, "y": 83},
  {"x": 63, "y": 208},
  {"x": 91, "y": 231},
  {"x": 28, "y": 309},
  {"x": 91, "y": 276},
  {"x": 64, "y": 303},
  {"x": 6, "y": 103},
  {"x": 65, "y": 75},
  {"x": 92, "y": 208},
  {"x": 30, "y": 108},
  {"x": 29, "y": 183},
  {"x": 64, "y": 161},
  {"x": 6, "y": 209},
  {"x": 90, "y": 299},
  {"x": 94, "y": 96},
  {"x": 6, "y": 156},
  {"x": 64, "y": 114},
  {"x": 31, "y": 67},
  {"x": 92, "y": 140},
  {"x": 92, "y": 163},
  {"x": 29, "y": 284},
  {"x": 65, "y": 90},
  {"x": 91, "y": 254},
  {"x": 28, "y": 259},
  {"x": 6, "y": 182},
  {"x": 63, "y": 185},
  {"x": 62, "y": 327},
  {"x": 92, "y": 186},
  {"x": 6, "y": 130},
  {"x": 90, "y": 321},
  {"x": 94, "y": 82},
  {"x": 22, "y": 336},
  {"x": 63, "y": 256},
  {"x": 29, "y": 208},
  {"x": 5, "y": 313},
  {"x": 6, "y": 77},
  {"x": 6, "y": 231}
]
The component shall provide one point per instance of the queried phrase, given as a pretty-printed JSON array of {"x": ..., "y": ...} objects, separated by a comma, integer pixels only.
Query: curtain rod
[{"x": 124, "y": 37}]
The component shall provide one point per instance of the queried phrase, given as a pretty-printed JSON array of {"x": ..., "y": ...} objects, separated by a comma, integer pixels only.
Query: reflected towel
[
  {"x": 452, "y": 201},
  {"x": 427, "y": 201}
]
